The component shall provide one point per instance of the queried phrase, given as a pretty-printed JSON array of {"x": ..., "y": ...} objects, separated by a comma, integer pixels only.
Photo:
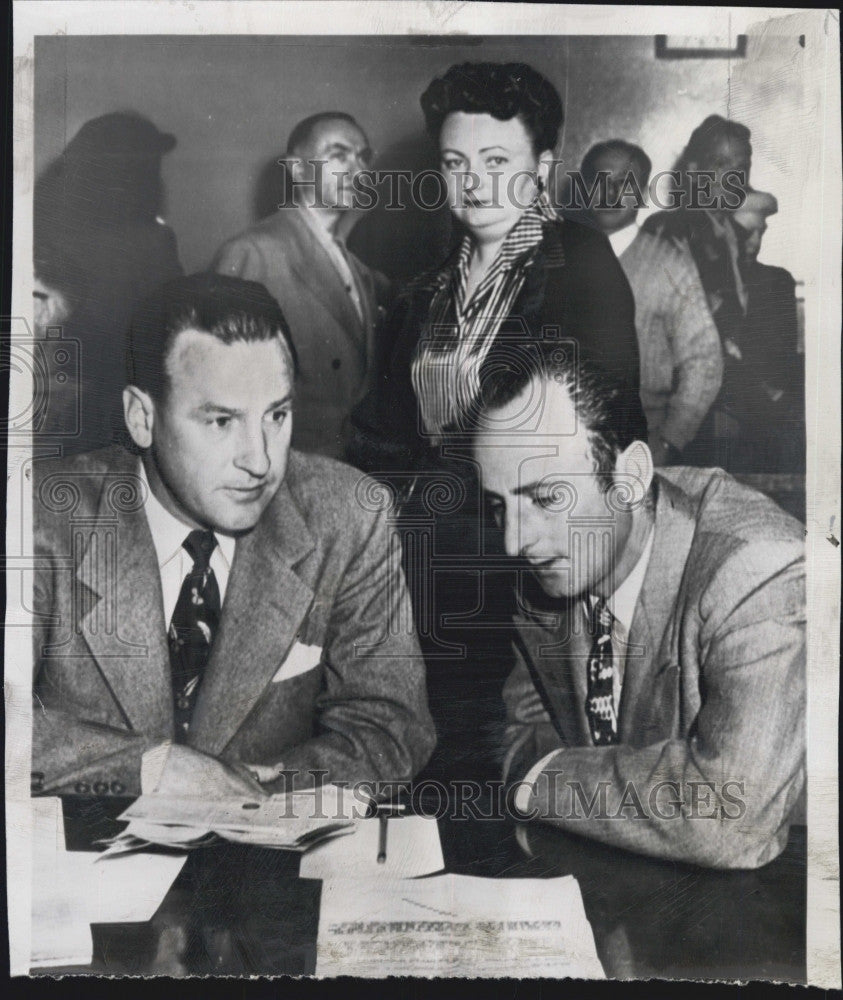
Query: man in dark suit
[
  {"x": 332, "y": 300},
  {"x": 216, "y": 588},
  {"x": 660, "y": 651}
]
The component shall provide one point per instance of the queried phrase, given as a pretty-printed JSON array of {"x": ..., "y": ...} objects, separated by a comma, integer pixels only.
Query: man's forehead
[
  {"x": 336, "y": 132},
  {"x": 195, "y": 349}
]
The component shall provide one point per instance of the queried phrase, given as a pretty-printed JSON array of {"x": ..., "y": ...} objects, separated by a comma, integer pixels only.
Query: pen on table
[{"x": 382, "y": 820}]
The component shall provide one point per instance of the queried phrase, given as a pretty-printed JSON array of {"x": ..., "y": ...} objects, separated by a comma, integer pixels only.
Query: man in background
[
  {"x": 681, "y": 360},
  {"x": 331, "y": 298}
]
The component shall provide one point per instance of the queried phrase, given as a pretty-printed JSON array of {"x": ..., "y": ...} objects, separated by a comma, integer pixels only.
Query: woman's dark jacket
[{"x": 575, "y": 290}]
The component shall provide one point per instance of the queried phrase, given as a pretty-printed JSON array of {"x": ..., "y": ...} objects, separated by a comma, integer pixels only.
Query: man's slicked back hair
[
  {"x": 230, "y": 309},
  {"x": 609, "y": 408}
]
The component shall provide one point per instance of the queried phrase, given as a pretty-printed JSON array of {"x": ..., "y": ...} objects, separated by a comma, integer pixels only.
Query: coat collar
[{"x": 649, "y": 639}]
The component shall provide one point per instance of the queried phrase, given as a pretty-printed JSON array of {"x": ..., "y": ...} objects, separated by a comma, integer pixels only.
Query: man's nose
[
  {"x": 253, "y": 454},
  {"x": 515, "y": 532}
]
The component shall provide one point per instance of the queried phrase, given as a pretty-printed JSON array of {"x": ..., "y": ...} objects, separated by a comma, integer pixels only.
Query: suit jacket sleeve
[
  {"x": 698, "y": 359},
  {"x": 241, "y": 258},
  {"x": 739, "y": 771},
  {"x": 373, "y": 716},
  {"x": 72, "y": 753}
]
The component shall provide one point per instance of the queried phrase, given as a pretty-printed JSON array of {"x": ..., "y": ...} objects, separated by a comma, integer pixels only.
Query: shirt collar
[
  {"x": 623, "y": 601},
  {"x": 169, "y": 533},
  {"x": 624, "y": 238}
]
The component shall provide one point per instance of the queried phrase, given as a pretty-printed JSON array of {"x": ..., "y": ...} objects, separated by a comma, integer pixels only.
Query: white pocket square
[{"x": 300, "y": 659}]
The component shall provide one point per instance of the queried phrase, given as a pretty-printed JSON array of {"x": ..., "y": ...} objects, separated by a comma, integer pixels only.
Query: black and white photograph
[{"x": 423, "y": 491}]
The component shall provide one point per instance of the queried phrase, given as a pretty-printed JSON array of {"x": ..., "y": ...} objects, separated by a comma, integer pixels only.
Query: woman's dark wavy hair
[{"x": 502, "y": 90}]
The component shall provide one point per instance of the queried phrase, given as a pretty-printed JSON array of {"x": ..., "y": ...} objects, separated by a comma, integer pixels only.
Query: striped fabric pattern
[{"x": 445, "y": 371}]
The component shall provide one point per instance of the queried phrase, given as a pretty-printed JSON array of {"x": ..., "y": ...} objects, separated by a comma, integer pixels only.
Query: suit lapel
[
  {"x": 264, "y": 606},
  {"x": 120, "y": 603},
  {"x": 649, "y": 639},
  {"x": 557, "y": 648},
  {"x": 315, "y": 269}
]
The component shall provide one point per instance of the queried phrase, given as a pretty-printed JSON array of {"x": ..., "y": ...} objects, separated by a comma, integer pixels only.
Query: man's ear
[
  {"x": 296, "y": 166},
  {"x": 139, "y": 414},
  {"x": 49, "y": 309},
  {"x": 634, "y": 473}
]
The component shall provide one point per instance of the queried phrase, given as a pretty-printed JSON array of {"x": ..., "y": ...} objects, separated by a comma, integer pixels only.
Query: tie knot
[{"x": 200, "y": 545}]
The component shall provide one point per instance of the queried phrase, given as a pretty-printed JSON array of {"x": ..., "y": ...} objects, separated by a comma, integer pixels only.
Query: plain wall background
[{"x": 231, "y": 101}]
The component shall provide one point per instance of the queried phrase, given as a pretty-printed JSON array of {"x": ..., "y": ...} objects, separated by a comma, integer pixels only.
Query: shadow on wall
[
  {"x": 269, "y": 188},
  {"x": 404, "y": 241}
]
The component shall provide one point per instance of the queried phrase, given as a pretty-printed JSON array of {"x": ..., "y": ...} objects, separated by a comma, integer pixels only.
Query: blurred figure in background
[
  {"x": 331, "y": 298},
  {"x": 764, "y": 385},
  {"x": 681, "y": 360},
  {"x": 97, "y": 221},
  {"x": 704, "y": 226}
]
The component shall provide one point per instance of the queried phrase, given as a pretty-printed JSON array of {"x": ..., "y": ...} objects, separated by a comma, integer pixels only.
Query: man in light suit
[
  {"x": 215, "y": 588},
  {"x": 332, "y": 300},
  {"x": 658, "y": 698}
]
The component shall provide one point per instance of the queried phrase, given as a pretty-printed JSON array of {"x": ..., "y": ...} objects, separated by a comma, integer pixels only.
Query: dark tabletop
[{"x": 238, "y": 910}]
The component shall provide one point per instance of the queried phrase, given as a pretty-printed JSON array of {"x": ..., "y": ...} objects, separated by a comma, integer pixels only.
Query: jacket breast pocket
[{"x": 301, "y": 659}]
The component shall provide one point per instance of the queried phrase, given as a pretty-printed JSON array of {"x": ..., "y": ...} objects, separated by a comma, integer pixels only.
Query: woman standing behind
[{"x": 519, "y": 274}]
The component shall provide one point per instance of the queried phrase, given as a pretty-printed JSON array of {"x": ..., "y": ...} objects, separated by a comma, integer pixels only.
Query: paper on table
[
  {"x": 454, "y": 925},
  {"x": 413, "y": 848},
  {"x": 70, "y": 891},
  {"x": 293, "y": 822},
  {"x": 60, "y": 934}
]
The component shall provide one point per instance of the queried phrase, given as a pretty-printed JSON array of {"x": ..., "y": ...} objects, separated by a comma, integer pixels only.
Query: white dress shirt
[
  {"x": 174, "y": 561},
  {"x": 622, "y": 605},
  {"x": 623, "y": 238}
]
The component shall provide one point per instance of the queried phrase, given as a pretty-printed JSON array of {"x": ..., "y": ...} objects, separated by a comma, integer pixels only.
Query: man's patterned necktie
[
  {"x": 600, "y": 698},
  {"x": 193, "y": 627}
]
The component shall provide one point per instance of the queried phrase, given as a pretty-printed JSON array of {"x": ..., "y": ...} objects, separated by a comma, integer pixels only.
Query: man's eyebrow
[
  {"x": 218, "y": 408},
  {"x": 529, "y": 487},
  {"x": 279, "y": 403}
]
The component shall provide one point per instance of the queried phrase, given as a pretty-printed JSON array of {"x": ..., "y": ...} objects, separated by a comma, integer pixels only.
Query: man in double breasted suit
[
  {"x": 331, "y": 299},
  {"x": 658, "y": 698},
  {"x": 211, "y": 586}
]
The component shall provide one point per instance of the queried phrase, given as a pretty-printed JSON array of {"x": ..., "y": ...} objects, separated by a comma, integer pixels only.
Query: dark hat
[{"x": 121, "y": 133}]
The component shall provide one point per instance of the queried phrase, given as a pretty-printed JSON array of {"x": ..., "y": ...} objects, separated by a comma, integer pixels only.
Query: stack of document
[
  {"x": 285, "y": 822},
  {"x": 455, "y": 925},
  {"x": 70, "y": 891}
]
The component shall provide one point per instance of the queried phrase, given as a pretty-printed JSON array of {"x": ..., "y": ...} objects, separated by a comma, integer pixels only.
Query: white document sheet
[
  {"x": 72, "y": 890},
  {"x": 412, "y": 848},
  {"x": 454, "y": 925}
]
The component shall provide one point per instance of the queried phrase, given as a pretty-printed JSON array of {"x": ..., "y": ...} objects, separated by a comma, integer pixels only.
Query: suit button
[
  {"x": 100, "y": 788},
  {"x": 117, "y": 787},
  {"x": 82, "y": 788},
  {"x": 36, "y": 781},
  {"x": 335, "y": 364}
]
